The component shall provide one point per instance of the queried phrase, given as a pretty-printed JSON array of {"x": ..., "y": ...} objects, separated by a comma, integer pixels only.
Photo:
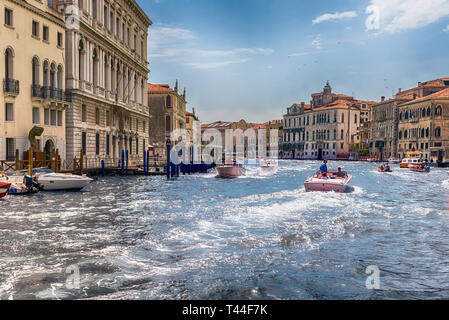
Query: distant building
[
  {"x": 167, "y": 113},
  {"x": 191, "y": 118},
  {"x": 279, "y": 126},
  {"x": 327, "y": 128},
  {"x": 386, "y": 118},
  {"x": 423, "y": 125},
  {"x": 222, "y": 127}
]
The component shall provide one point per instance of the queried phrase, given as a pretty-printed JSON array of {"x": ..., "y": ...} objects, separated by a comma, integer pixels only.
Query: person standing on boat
[{"x": 323, "y": 168}]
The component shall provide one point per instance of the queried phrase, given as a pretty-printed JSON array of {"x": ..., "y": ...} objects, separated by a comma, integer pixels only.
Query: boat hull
[
  {"x": 4, "y": 187},
  {"x": 338, "y": 185},
  {"x": 58, "y": 183},
  {"x": 229, "y": 172}
]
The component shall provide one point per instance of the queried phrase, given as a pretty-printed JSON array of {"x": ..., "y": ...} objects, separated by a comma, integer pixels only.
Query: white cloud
[
  {"x": 400, "y": 15},
  {"x": 335, "y": 16},
  {"x": 446, "y": 29},
  {"x": 299, "y": 54},
  {"x": 180, "y": 45}
]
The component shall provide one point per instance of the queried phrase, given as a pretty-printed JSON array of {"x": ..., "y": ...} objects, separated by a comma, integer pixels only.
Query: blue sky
[{"x": 252, "y": 59}]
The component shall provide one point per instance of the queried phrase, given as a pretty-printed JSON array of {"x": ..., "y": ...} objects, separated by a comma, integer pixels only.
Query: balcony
[
  {"x": 53, "y": 93},
  {"x": 11, "y": 87},
  {"x": 36, "y": 91}
]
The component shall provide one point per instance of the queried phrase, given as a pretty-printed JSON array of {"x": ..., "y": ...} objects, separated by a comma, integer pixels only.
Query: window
[
  {"x": 94, "y": 9},
  {"x": 137, "y": 145},
  {"x": 36, "y": 115},
  {"x": 45, "y": 34},
  {"x": 8, "y": 17},
  {"x": 35, "y": 29},
  {"x": 97, "y": 116},
  {"x": 83, "y": 113},
  {"x": 144, "y": 125},
  {"x": 60, "y": 39},
  {"x": 342, "y": 118},
  {"x": 130, "y": 145},
  {"x": 9, "y": 112},
  {"x": 84, "y": 142},
  {"x": 167, "y": 123},
  {"x": 97, "y": 144},
  {"x": 342, "y": 134},
  {"x": 108, "y": 119},
  {"x": 438, "y": 132},
  {"x": 355, "y": 119},
  {"x": 60, "y": 118},
  {"x": 10, "y": 149},
  {"x": 46, "y": 117},
  {"x": 438, "y": 111},
  {"x": 53, "y": 117},
  {"x": 105, "y": 16},
  {"x": 107, "y": 144}
]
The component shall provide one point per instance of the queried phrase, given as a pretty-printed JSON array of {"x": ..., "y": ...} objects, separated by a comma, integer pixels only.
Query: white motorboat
[
  {"x": 51, "y": 181},
  {"x": 21, "y": 183},
  {"x": 394, "y": 161},
  {"x": 268, "y": 165},
  {"x": 334, "y": 181}
]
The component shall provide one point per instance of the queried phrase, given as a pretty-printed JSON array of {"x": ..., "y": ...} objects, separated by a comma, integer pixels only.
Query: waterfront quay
[{"x": 257, "y": 237}]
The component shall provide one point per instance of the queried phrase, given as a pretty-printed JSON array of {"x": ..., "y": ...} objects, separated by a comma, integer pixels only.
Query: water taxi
[
  {"x": 334, "y": 182},
  {"x": 412, "y": 158},
  {"x": 269, "y": 165},
  {"x": 420, "y": 168}
]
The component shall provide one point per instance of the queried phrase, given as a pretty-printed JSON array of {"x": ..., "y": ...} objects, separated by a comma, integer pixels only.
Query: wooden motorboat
[
  {"x": 384, "y": 169},
  {"x": 228, "y": 171},
  {"x": 420, "y": 168},
  {"x": 334, "y": 181}
]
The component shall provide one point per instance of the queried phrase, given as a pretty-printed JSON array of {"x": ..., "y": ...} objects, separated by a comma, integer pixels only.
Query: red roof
[
  {"x": 159, "y": 88},
  {"x": 443, "y": 94}
]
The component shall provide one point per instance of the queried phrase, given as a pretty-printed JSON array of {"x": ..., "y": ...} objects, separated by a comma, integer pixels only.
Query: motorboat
[
  {"x": 336, "y": 181},
  {"x": 230, "y": 170},
  {"x": 268, "y": 165},
  {"x": 384, "y": 169},
  {"x": 405, "y": 164},
  {"x": 420, "y": 168},
  {"x": 51, "y": 181},
  {"x": 20, "y": 182},
  {"x": 4, "y": 187}
]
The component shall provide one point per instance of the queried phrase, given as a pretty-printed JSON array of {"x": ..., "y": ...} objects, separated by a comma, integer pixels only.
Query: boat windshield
[{"x": 42, "y": 171}]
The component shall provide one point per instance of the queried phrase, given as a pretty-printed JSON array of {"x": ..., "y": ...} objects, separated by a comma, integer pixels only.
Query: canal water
[{"x": 257, "y": 237}]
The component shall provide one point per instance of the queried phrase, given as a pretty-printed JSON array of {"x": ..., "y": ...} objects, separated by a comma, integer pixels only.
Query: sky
[{"x": 251, "y": 59}]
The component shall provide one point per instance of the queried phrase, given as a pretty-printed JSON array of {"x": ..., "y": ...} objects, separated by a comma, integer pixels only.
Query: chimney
[
  {"x": 400, "y": 90},
  {"x": 383, "y": 99},
  {"x": 419, "y": 84},
  {"x": 193, "y": 111},
  {"x": 415, "y": 96}
]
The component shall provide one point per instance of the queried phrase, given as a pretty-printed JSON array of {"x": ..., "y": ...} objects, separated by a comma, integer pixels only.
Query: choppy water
[{"x": 258, "y": 237}]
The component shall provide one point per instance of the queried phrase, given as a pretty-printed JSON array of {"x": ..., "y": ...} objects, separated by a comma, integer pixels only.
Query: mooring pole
[
  {"x": 168, "y": 144},
  {"x": 30, "y": 162},
  {"x": 144, "y": 161},
  {"x": 123, "y": 162},
  {"x": 127, "y": 159},
  {"x": 102, "y": 167}
]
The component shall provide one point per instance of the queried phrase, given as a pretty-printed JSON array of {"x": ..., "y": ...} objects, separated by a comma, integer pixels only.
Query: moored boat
[
  {"x": 227, "y": 171},
  {"x": 394, "y": 161},
  {"x": 334, "y": 181},
  {"x": 51, "y": 181},
  {"x": 4, "y": 187}
]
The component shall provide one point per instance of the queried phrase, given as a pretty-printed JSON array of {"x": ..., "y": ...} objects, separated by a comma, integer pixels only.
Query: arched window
[
  {"x": 438, "y": 111},
  {"x": 427, "y": 132},
  {"x": 335, "y": 134},
  {"x": 59, "y": 77},
  {"x": 405, "y": 134},
  {"x": 400, "y": 134},
  {"x": 428, "y": 111},
  {"x": 35, "y": 71},
  {"x": 95, "y": 69},
  {"x": 106, "y": 73},
  {"x": 342, "y": 134},
  {"x": 168, "y": 101},
  {"x": 343, "y": 118},
  {"x": 422, "y": 133},
  {"x": 9, "y": 64},
  {"x": 46, "y": 70},
  {"x": 406, "y": 115},
  {"x": 423, "y": 112},
  {"x": 400, "y": 116},
  {"x": 438, "y": 132},
  {"x": 53, "y": 75},
  {"x": 81, "y": 61},
  {"x": 355, "y": 119}
]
